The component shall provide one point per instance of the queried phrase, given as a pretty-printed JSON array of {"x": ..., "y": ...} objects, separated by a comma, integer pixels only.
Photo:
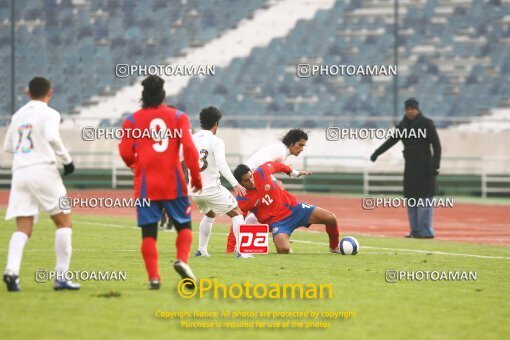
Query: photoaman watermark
[{"x": 212, "y": 288}]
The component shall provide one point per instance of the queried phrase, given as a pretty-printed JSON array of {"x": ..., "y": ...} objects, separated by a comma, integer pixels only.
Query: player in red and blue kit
[
  {"x": 150, "y": 147},
  {"x": 279, "y": 209}
]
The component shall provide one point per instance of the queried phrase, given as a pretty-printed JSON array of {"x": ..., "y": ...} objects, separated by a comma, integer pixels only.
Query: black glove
[
  {"x": 68, "y": 168},
  {"x": 374, "y": 156}
]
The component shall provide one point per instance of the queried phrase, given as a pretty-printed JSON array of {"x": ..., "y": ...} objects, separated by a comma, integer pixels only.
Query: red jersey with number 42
[
  {"x": 268, "y": 201},
  {"x": 154, "y": 157}
]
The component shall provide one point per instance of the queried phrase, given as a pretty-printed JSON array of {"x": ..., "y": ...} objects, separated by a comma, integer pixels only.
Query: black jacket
[{"x": 421, "y": 165}]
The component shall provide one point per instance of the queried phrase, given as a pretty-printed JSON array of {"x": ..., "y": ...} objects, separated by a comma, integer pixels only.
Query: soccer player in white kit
[
  {"x": 33, "y": 138},
  {"x": 214, "y": 199},
  {"x": 293, "y": 143}
]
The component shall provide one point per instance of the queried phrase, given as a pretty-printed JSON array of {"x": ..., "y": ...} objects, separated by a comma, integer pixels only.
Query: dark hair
[
  {"x": 153, "y": 92},
  {"x": 209, "y": 116},
  {"x": 412, "y": 103},
  {"x": 240, "y": 171},
  {"x": 39, "y": 87},
  {"x": 293, "y": 136}
]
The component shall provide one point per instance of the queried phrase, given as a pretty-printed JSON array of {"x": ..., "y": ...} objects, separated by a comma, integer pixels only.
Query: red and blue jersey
[
  {"x": 158, "y": 173},
  {"x": 268, "y": 202}
]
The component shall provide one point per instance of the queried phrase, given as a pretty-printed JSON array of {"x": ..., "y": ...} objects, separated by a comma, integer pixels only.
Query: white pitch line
[
  {"x": 417, "y": 251},
  {"x": 368, "y": 247},
  {"x": 443, "y": 253},
  {"x": 112, "y": 225}
]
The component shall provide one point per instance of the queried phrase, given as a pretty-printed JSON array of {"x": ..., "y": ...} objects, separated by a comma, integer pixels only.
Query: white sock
[
  {"x": 63, "y": 249},
  {"x": 16, "y": 245},
  {"x": 236, "y": 224},
  {"x": 205, "y": 232}
]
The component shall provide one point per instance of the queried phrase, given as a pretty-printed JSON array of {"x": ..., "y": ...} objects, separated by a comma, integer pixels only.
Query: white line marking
[
  {"x": 113, "y": 225},
  {"x": 415, "y": 251}
]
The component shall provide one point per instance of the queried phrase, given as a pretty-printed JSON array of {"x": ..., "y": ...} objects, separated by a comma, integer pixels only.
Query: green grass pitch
[{"x": 126, "y": 309}]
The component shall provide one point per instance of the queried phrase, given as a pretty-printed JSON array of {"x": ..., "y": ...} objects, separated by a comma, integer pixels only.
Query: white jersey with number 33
[
  {"x": 33, "y": 136},
  {"x": 211, "y": 150}
]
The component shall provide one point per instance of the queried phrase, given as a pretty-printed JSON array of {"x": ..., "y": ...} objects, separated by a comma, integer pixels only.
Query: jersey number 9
[{"x": 158, "y": 130}]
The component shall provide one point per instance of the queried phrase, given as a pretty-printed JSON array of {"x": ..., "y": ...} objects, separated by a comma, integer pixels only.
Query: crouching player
[
  {"x": 159, "y": 176},
  {"x": 279, "y": 209},
  {"x": 293, "y": 143}
]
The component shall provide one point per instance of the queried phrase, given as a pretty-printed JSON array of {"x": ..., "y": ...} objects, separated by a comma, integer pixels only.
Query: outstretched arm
[
  {"x": 299, "y": 173},
  {"x": 221, "y": 163},
  {"x": 278, "y": 167},
  {"x": 384, "y": 147}
]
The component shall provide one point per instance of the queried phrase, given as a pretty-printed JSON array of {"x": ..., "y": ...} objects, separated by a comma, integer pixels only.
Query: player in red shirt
[
  {"x": 150, "y": 147},
  {"x": 279, "y": 209}
]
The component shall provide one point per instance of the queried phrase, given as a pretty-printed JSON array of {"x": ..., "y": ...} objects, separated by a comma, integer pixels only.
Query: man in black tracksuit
[{"x": 421, "y": 166}]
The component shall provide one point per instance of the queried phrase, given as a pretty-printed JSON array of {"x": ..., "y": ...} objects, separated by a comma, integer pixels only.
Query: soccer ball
[{"x": 349, "y": 246}]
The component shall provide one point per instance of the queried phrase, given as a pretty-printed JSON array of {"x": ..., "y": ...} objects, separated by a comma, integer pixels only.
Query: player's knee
[
  {"x": 62, "y": 220},
  {"x": 235, "y": 212},
  {"x": 282, "y": 247},
  {"x": 25, "y": 228},
  {"x": 283, "y": 250},
  {"x": 331, "y": 218}
]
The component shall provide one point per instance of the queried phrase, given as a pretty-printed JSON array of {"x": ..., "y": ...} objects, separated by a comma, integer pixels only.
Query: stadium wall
[
  {"x": 473, "y": 163},
  {"x": 462, "y": 151}
]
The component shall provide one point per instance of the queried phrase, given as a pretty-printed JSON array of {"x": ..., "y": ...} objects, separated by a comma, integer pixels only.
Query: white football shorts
[
  {"x": 220, "y": 201},
  {"x": 36, "y": 188}
]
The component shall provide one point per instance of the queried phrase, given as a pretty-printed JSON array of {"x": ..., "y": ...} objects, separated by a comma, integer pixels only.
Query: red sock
[
  {"x": 183, "y": 244},
  {"x": 334, "y": 235},
  {"x": 150, "y": 257},
  {"x": 231, "y": 241}
]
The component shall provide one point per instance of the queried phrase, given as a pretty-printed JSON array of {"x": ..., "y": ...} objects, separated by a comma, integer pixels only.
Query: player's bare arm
[{"x": 190, "y": 154}]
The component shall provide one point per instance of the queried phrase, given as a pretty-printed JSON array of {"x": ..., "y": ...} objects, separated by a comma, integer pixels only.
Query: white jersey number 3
[{"x": 161, "y": 143}]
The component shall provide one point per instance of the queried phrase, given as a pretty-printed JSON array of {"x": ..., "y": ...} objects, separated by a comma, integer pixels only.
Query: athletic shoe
[
  {"x": 238, "y": 255},
  {"x": 12, "y": 282},
  {"x": 243, "y": 256},
  {"x": 202, "y": 253},
  {"x": 335, "y": 251},
  {"x": 417, "y": 236},
  {"x": 154, "y": 284},
  {"x": 65, "y": 285},
  {"x": 185, "y": 272}
]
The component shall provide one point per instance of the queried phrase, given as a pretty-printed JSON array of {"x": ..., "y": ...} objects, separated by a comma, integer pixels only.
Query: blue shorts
[
  {"x": 178, "y": 209},
  {"x": 299, "y": 217}
]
